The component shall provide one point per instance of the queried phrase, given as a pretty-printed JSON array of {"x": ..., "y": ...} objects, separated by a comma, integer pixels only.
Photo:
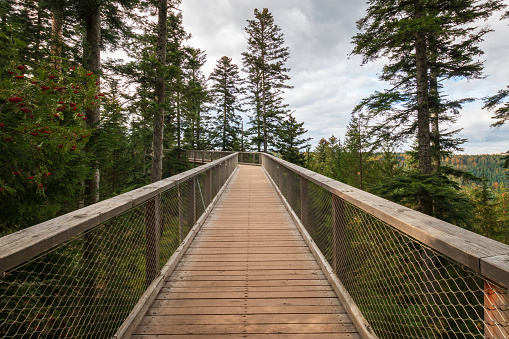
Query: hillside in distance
[{"x": 488, "y": 166}]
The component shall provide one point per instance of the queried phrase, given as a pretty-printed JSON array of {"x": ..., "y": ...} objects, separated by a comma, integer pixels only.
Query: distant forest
[{"x": 488, "y": 166}]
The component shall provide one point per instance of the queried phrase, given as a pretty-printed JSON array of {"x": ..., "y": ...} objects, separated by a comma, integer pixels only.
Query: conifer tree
[
  {"x": 195, "y": 98},
  {"x": 326, "y": 158},
  {"x": 225, "y": 92},
  {"x": 290, "y": 141},
  {"x": 160, "y": 91},
  {"x": 425, "y": 42},
  {"x": 264, "y": 63}
]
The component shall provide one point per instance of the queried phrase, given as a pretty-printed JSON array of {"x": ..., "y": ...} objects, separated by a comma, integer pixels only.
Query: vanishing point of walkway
[{"x": 247, "y": 274}]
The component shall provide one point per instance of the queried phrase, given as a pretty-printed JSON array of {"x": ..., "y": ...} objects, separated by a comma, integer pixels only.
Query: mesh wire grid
[
  {"x": 88, "y": 285},
  {"x": 403, "y": 288}
]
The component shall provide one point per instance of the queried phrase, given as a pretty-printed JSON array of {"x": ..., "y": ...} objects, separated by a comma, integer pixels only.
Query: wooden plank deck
[{"x": 247, "y": 274}]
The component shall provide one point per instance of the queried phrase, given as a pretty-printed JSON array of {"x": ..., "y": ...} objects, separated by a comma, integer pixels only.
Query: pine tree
[
  {"x": 160, "y": 91},
  {"x": 195, "y": 99},
  {"x": 425, "y": 42},
  {"x": 290, "y": 141},
  {"x": 484, "y": 211},
  {"x": 225, "y": 92},
  {"x": 264, "y": 63},
  {"x": 326, "y": 158}
]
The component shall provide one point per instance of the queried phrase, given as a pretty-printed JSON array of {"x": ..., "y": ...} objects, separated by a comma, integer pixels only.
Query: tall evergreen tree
[
  {"x": 160, "y": 91},
  {"x": 195, "y": 98},
  {"x": 425, "y": 42},
  {"x": 290, "y": 141},
  {"x": 356, "y": 155},
  {"x": 326, "y": 158},
  {"x": 225, "y": 92},
  {"x": 264, "y": 63}
]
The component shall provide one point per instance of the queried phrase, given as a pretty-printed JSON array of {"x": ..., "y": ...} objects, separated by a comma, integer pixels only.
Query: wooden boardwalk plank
[{"x": 248, "y": 274}]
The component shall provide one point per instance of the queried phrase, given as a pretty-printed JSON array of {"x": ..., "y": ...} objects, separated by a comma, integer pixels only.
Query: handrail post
[
  {"x": 338, "y": 236},
  {"x": 191, "y": 206},
  {"x": 304, "y": 203},
  {"x": 218, "y": 177},
  {"x": 203, "y": 157},
  {"x": 152, "y": 235},
  {"x": 208, "y": 186},
  {"x": 289, "y": 195},
  {"x": 181, "y": 226},
  {"x": 496, "y": 312},
  {"x": 225, "y": 172},
  {"x": 280, "y": 177}
]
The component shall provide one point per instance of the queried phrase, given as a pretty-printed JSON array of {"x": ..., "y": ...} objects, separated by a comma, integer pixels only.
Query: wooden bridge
[
  {"x": 232, "y": 250},
  {"x": 248, "y": 272}
]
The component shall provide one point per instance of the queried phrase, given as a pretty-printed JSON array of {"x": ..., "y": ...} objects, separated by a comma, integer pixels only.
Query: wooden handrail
[{"x": 485, "y": 256}]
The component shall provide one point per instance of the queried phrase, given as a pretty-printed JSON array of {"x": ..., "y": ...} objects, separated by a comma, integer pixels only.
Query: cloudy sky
[{"x": 327, "y": 82}]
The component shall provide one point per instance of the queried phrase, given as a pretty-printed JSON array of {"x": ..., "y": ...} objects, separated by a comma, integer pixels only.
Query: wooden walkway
[{"x": 247, "y": 274}]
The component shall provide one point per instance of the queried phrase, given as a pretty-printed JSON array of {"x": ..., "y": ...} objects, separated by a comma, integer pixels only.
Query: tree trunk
[
  {"x": 56, "y": 36},
  {"x": 198, "y": 127},
  {"x": 434, "y": 107},
  {"x": 162, "y": 33},
  {"x": 38, "y": 34},
  {"x": 423, "y": 118},
  {"x": 92, "y": 57}
]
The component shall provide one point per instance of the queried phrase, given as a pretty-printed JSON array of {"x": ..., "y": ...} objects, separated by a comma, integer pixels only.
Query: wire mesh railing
[
  {"x": 81, "y": 274},
  {"x": 201, "y": 157},
  {"x": 410, "y": 275}
]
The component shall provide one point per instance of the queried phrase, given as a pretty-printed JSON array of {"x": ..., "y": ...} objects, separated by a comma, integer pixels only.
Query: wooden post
[
  {"x": 203, "y": 157},
  {"x": 218, "y": 177},
  {"x": 191, "y": 203},
  {"x": 254, "y": 156},
  {"x": 338, "y": 236},
  {"x": 208, "y": 187},
  {"x": 241, "y": 157},
  {"x": 304, "y": 203},
  {"x": 181, "y": 219},
  {"x": 152, "y": 234},
  {"x": 280, "y": 177},
  {"x": 496, "y": 311},
  {"x": 289, "y": 193}
]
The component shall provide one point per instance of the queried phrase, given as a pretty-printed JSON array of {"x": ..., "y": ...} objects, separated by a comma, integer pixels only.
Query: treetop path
[{"x": 248, "y": 245}]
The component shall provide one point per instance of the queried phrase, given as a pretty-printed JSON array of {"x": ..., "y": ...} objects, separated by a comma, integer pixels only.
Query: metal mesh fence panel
[
  {"x": 88, "y": 285},
  {"x": 403, "y": 288},
  {"x": 84, "y": 287}
]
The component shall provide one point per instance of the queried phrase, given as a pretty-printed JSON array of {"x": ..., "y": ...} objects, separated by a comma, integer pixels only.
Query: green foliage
[
  {"x": 411, "y": 188},
  {"x": 266, "y": 76},
  {"x": 290, "y": 141},
  {"x": 42, "y": 136},
  {"x": 225, "y": 93},
  {"x": 326, "y": 158},
  {"x": 488, "y": 166}
]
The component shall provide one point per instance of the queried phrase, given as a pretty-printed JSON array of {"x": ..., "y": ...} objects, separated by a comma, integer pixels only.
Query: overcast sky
[{"x": 327, "y": 83}]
